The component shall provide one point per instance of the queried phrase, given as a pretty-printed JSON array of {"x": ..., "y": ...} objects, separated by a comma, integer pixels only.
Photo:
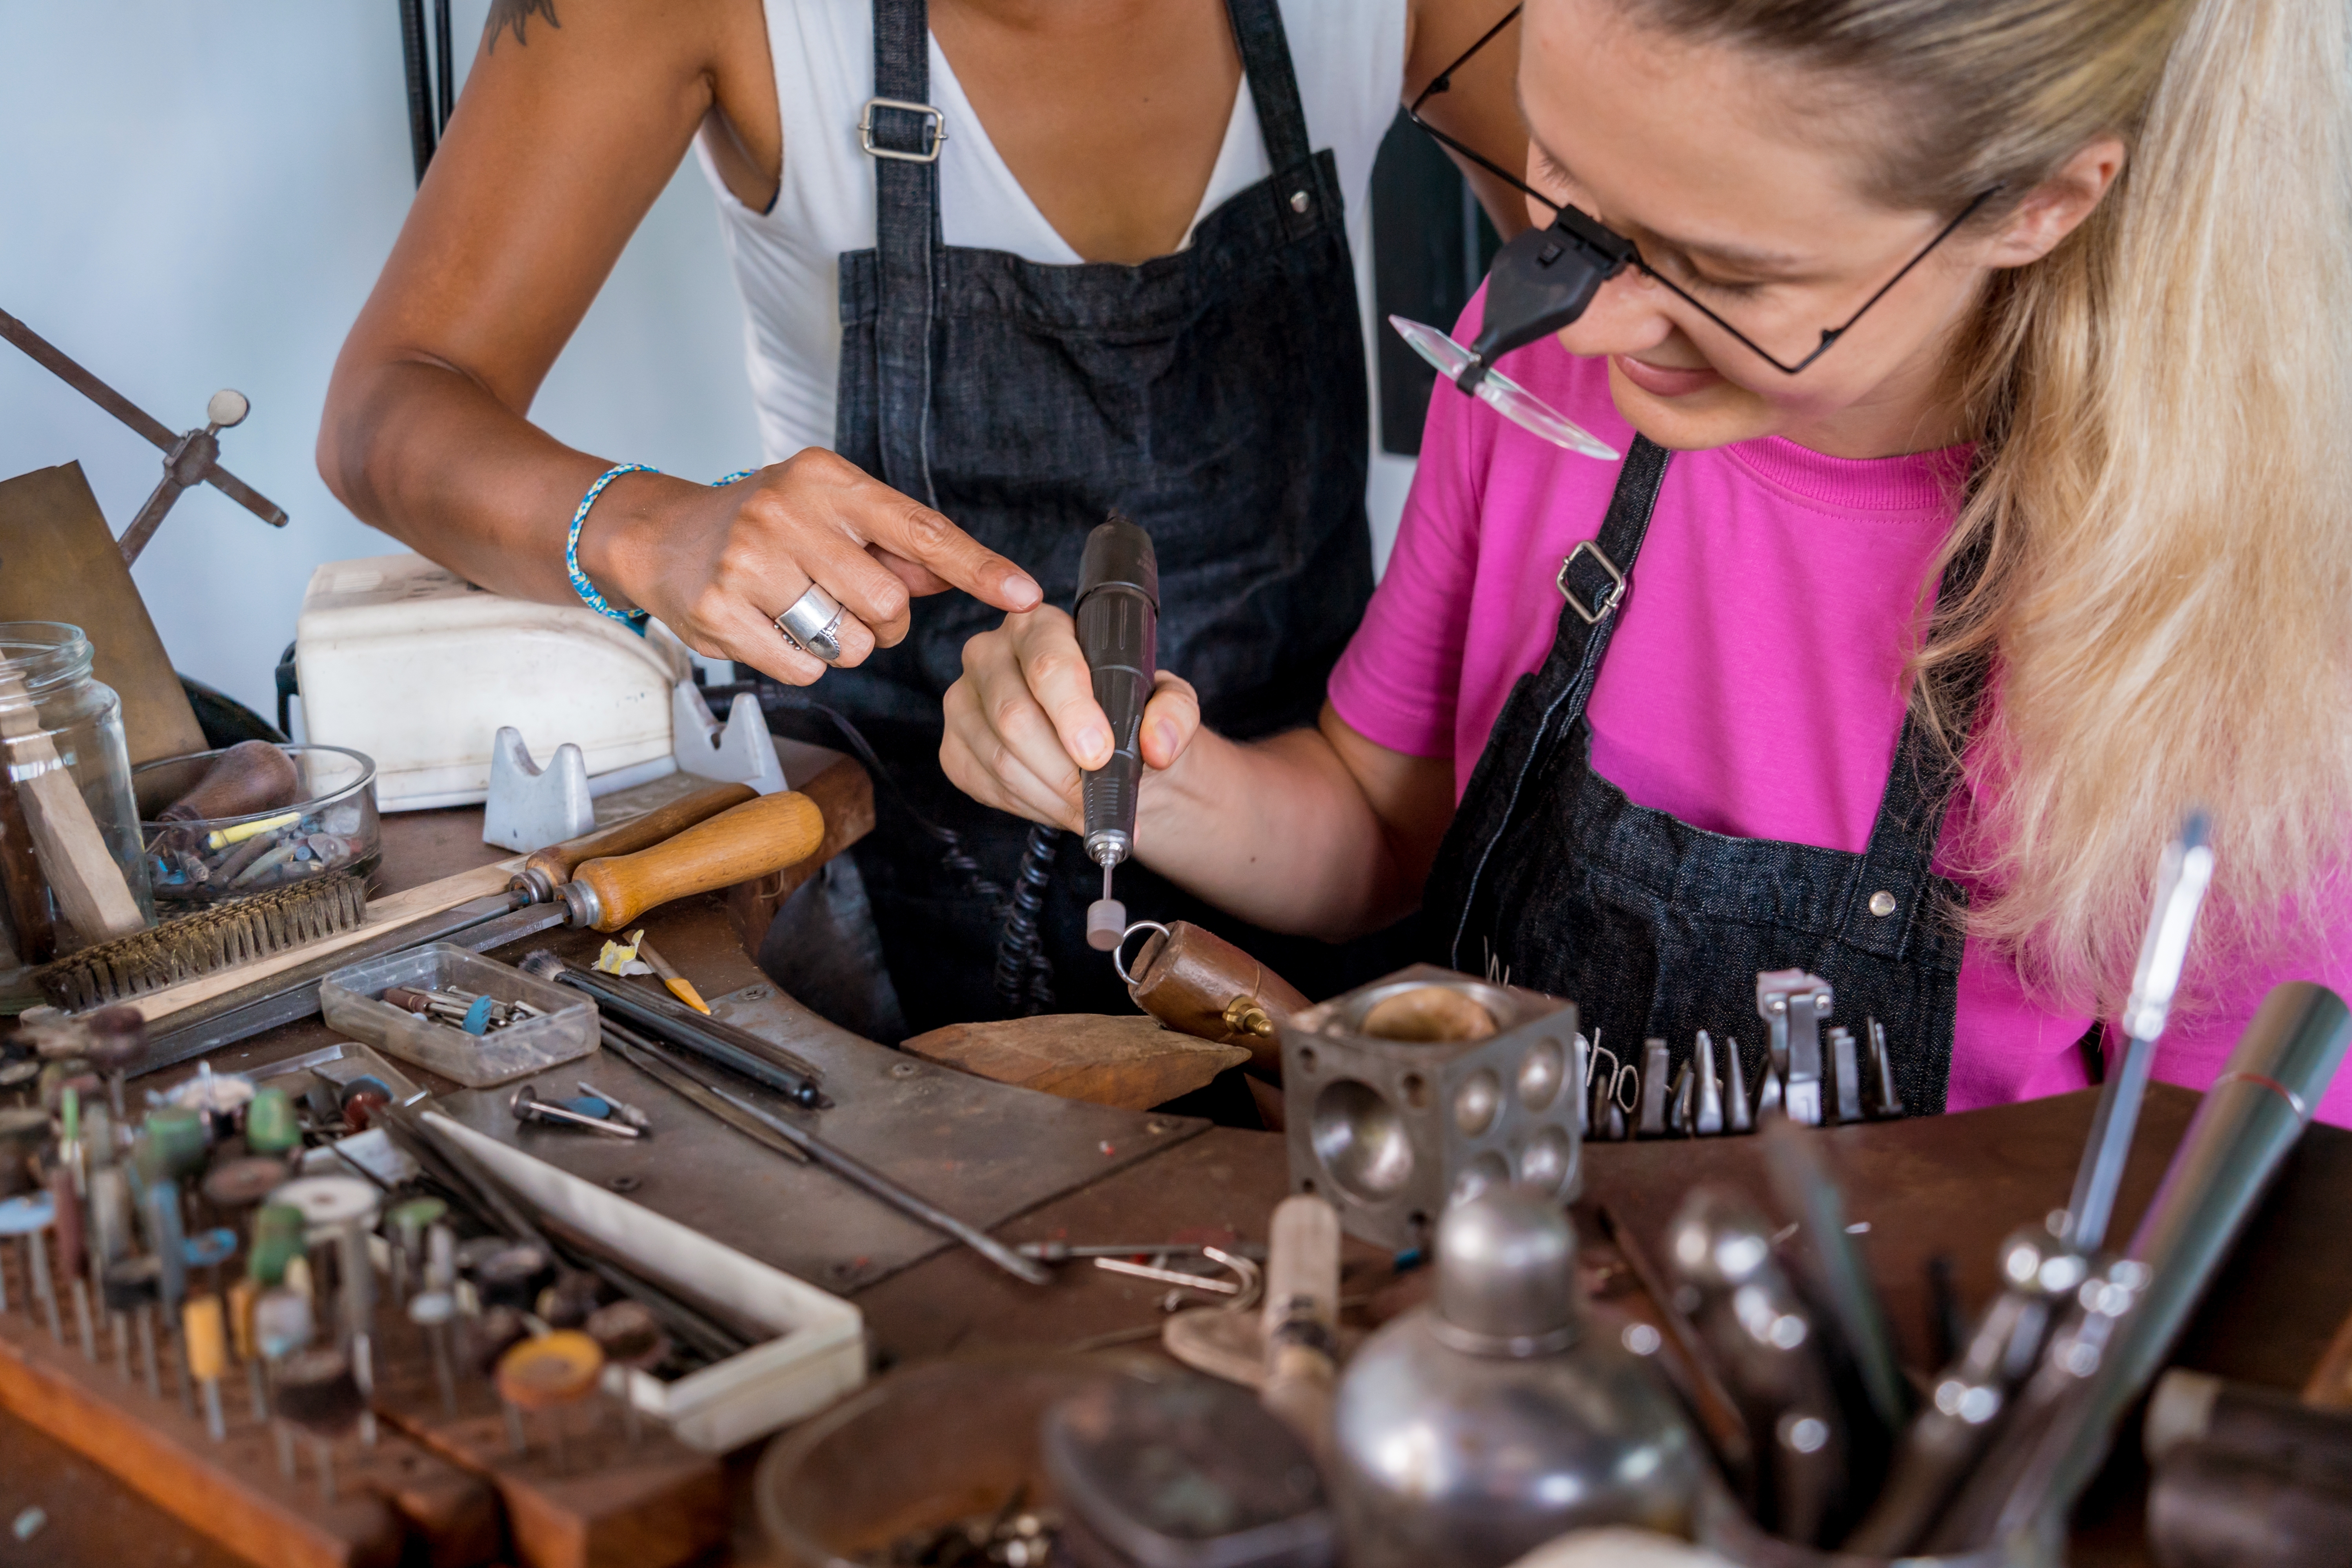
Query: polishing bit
[{"x": 1117, "y": 616}]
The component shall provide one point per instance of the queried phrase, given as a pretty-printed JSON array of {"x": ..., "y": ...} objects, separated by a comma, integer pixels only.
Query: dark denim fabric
[
  {"x": 1215, "y": 395},
  {"x": 1551, "y": 877}
]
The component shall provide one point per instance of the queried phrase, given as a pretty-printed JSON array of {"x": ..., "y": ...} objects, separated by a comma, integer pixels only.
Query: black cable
[
  {"x": 289, "y": 685},
  {"x": 445, "y": 70},
  {"x": 1024, "y": 975},
  {"x": 953, "y": 857},
  {"x": 420, "y": 87}
]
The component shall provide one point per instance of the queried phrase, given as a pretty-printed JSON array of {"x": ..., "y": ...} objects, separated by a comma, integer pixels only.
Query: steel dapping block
[
  {"x": 1427, "y": 1088},
  {"x": 280, "y": 1234},
  {"x": 270, "y": 1127}
]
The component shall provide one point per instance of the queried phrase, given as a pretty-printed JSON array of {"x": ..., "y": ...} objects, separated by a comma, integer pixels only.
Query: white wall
[{"x": 198, "y": 197}]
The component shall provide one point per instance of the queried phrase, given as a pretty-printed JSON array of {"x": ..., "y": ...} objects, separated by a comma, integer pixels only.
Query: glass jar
[{"x": 71, "y": 873}]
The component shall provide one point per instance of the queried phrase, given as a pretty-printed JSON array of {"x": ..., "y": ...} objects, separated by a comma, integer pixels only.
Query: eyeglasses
[{"x": 1544, "y": 279}]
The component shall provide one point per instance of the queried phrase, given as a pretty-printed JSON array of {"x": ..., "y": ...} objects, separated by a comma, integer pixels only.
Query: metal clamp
[
  {"x": 939, "y": 130},
  {"x": 1609, "y": 600}
]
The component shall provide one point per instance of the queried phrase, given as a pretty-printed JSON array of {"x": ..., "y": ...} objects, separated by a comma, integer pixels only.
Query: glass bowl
[
  {"x": 923, "y": 1447},
  {"x": 331, "y": 826}
]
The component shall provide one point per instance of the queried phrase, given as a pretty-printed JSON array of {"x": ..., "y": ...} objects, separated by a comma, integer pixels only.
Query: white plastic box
[
  {"x": 412, "y": 665},
  {"x": 819, "y": 1350}
]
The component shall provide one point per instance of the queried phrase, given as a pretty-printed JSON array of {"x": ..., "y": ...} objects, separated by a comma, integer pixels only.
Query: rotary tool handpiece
[{"x": 1118, "y": 614}]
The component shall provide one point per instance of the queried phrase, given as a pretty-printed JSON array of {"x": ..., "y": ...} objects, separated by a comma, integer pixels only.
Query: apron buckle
[
  {"x": 1608, "y": 601},
  {"x": 937, "y": 130}
]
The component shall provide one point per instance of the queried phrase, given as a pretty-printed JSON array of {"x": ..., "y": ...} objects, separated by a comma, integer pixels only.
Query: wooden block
[
  {"x": 846, "y": 795},
  {"x": 1130, "y": 1063},
  {"x": 394, "y": 1503},
  {"x": 604, "y": 1505},
  {"x": 59, "y": 563}
]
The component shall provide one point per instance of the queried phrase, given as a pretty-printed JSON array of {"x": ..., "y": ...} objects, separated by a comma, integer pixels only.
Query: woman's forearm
[
  {"x": 425, "y": 453},
  {"x": 1285, "y": 832}
]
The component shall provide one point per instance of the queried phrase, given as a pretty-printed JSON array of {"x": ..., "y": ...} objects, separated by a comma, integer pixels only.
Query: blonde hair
[{"x": 2162, "y": 497}]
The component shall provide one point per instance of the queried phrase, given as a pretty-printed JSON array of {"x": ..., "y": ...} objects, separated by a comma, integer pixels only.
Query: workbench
[{"x": 1950, "y": 1186}]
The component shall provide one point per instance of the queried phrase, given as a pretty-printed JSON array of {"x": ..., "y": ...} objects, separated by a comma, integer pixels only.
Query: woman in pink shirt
[{"x": 1893, "y": 653}]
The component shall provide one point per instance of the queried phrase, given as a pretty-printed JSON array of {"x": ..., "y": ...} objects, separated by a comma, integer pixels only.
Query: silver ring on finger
[{"x": 813, "y": 625}]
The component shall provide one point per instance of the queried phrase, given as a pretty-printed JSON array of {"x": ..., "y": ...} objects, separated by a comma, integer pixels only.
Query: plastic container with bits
[{"x": 352, "y": 1001}]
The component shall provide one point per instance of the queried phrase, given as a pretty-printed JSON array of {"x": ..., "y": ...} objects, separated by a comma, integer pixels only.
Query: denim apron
[
  {"x": 1216, "y": 396},
  {"x": 1655, "y": 928}
]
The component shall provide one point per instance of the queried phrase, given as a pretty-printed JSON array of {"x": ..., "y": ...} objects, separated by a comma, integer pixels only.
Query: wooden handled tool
[
  {"x": 1200, "y": 983},
  {"x": 250, "y": 777},
  {"x": 546, "y": 869},
  {"x": 754, "y": 840},
  {"x": 476, "y": 910}
]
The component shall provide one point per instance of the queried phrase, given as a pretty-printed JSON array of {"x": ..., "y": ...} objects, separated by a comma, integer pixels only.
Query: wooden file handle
[
  {"x": 250, "y": 777},
  {"x": 559, "y": 862},
  {"x": 754, "y": 840}
]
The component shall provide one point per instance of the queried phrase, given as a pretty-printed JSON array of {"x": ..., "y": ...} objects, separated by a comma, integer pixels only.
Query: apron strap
[
  {"x": 1593, "y": 579},
  {"x": 905, "y": 145},
  {"x": 1300, "y": 188},
  {"x": 1892, "y": 902}
]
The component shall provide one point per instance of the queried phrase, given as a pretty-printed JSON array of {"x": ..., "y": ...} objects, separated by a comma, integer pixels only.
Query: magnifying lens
[{"x": 1541, "y": 281}]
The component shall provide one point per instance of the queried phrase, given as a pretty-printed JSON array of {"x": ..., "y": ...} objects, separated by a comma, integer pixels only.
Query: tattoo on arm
[{"x": 515, "y": 14}]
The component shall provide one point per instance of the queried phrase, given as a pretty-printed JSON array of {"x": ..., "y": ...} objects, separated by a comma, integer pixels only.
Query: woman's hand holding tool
[
  {"x": 1023, "y": 727},
  {"x": 804, "y": 564}
]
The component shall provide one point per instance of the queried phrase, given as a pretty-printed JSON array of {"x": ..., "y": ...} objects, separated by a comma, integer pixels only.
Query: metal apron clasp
[{"x": 939, "y": 130}]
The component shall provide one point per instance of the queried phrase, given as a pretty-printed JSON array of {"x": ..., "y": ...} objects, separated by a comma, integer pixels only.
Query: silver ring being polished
[{"x": 810, "y": 624}]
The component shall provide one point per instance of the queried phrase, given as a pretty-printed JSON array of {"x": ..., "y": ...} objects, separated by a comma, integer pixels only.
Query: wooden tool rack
[{"x": 1950, "y": 1186}]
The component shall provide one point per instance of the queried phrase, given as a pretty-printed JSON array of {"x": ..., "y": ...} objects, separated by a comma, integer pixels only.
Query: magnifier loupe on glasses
[{"x": 1541, "y": 281}]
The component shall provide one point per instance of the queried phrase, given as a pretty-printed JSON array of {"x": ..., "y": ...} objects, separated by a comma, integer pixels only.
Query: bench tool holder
[
  {"x": 530, "y": 806},
  {"x": 189, "y": 458},
  {"x": 742, "y": 751}
]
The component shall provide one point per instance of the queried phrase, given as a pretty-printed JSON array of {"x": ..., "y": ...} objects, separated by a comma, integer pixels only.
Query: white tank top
[{"x": 1348, "y": 56}]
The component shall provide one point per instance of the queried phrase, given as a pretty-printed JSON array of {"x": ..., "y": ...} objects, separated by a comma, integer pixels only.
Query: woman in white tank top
[
  {"x": 959, "y": 369},
  {"x": 1349, "y": 58}
]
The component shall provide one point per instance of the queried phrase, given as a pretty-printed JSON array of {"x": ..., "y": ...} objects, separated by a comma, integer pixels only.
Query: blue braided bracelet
[{"x": 632, "y": 619}]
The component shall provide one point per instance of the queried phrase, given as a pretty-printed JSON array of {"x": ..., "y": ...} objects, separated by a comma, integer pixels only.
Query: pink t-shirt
[{"x": 1753, "y": 685}]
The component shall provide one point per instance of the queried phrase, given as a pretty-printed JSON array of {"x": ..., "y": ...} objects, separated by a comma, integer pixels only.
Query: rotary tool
[{"x": 1119, "y": 630}]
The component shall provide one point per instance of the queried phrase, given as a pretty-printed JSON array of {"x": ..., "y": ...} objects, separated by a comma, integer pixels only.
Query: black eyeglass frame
[{"x": 1590, "y": 233}]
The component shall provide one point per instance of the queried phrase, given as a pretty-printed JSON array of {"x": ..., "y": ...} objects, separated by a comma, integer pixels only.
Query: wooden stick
[{"x": 91, "y": 887}]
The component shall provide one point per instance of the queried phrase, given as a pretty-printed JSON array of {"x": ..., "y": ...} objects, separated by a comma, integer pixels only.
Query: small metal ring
[
  {"x": 810, "y": 624},
  {"x": 1118, "y": 953}
]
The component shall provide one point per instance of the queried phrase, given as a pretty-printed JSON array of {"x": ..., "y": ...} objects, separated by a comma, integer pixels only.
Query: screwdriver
[{"x": 1118, "y": 614}]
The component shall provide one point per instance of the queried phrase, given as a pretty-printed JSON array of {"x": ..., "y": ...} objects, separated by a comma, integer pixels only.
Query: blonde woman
[{"x": 1929, "y": 628}]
